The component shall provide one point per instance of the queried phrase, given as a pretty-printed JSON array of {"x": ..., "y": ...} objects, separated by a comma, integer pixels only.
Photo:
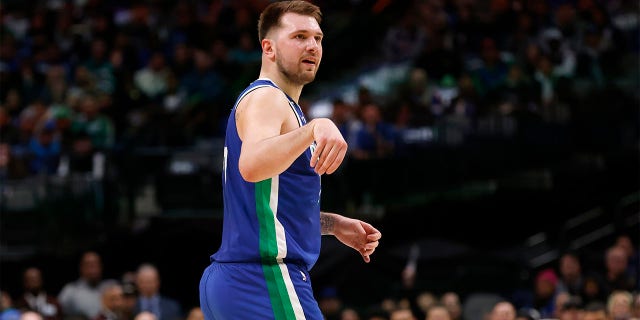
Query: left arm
[{"x": 354, "y": 233}]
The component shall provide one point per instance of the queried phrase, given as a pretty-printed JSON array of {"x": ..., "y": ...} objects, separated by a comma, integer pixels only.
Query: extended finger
[
  {"x": 324, "y": 160},
  {"x": 331, "y": 161},
  {"x": 337, "y": 161}
]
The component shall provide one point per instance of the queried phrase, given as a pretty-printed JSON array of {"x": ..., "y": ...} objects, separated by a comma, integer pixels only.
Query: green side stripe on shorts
[{"x": 280, "y": 302}]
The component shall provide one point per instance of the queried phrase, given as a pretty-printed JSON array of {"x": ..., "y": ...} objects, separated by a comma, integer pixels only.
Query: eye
[
  {"x": 318, "y": 39},
  {"x": 300, "y": 37}
]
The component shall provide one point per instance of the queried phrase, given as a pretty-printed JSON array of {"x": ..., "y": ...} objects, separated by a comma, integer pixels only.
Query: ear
[{"x": 267, "y": 47}]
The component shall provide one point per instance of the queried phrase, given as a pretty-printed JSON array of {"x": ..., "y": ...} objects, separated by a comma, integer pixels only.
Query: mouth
[{"x": 310, "y": 61}]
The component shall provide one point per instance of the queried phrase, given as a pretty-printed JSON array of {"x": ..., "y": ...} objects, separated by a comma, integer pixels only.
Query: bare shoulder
[
  {"x": 260, "y": 100},
  {"x": 261, "y": 113}
]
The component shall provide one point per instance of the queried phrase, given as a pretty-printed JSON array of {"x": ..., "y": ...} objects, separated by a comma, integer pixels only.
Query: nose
[{"x": 313, "y": 45}]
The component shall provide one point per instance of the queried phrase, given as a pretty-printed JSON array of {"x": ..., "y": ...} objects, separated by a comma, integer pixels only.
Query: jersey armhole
[{"x": 246, "y": 93}]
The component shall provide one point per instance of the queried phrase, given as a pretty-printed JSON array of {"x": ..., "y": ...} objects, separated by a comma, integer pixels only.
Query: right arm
[
  {"x": 354, "y": 233},
  {"x": 269, "y": 145}
]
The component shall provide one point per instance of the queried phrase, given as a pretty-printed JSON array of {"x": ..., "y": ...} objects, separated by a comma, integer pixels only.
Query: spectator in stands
[
  {"x": 451, "y": 301},
  {"x": 593, "y": 290},
  {"x": 84, "y": 83},
  {"x": 31, "y": 81},
  {"x": 444, "y": 93},
  {"x": 246, "y": 53},
  {"x": 570, "y": 269},
  {"x": 62, "y": 116},
  {"x": 503, "y": 310},
  {"x": 112, "y": 303},
  {"x": 100, "y": 67},
  {"x": 616, "y": 276},
  {"x": 633, "y": 256},
  {"x": 181, "y": 60},
  {"x": 56, "y": 85},
  {"x": 516, "y": 89},
  {"x": 203, "y": 83},
  {"x": 375, "y": 139},
  {"x": 418, "y": 91},
  {"x": 593, "y": 55},
  {"x": 44, "y": 150},
  {"x": 619, "y": 305},
  {"x": 342, "y": 115},
  {"x": 152, "y": 80},
  {"x": 35, "y": 298},
  {"x": 30, "y": 120},
  {"x": 425, "y": 300},
  {"x": 438, "y": 312},
  {"x": 550, "y": 90},
  {"x": 13, "y": 103},
  {"x": 492, "y": 71},
  {"x": 595, "y": 311},
  {"x": 402, "y": 314},
  {"x": 544, "y": 292},
  {"x": 349, "y": 314},
  {"x": 81, "y": 299},
  {"x": 7, "y": 310},
  {"x": 570, "y": 310},
  {"x": 149, "y": 296},
  {"x": 561, "y": 55},
  {"x": 95, "y": 123},
  {"x": 130, "y": 297}
]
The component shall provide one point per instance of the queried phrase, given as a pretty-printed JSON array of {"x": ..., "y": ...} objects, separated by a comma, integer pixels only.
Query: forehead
[{"x": 292, "y": 22}]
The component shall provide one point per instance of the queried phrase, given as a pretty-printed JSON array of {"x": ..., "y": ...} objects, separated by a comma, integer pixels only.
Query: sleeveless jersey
[{"x": 275, "y": 220}]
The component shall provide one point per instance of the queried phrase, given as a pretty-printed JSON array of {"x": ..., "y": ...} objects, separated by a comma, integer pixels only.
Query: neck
[{"x": 291, "y": 89}]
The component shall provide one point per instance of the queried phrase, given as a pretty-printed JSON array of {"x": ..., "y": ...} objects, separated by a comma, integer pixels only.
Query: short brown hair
[{"x": 271, "y": 15}]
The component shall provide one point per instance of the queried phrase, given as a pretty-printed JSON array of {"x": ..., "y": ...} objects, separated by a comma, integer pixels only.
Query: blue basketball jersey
[{"x": 273, "y": 221}]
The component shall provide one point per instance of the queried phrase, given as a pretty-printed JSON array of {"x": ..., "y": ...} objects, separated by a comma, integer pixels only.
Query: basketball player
[{"x": 273, "y": 161}]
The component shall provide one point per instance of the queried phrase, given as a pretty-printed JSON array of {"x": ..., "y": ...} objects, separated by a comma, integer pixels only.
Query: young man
[
  {"x": 273, "y": 160},
  {"x": 595, "y": 311}
]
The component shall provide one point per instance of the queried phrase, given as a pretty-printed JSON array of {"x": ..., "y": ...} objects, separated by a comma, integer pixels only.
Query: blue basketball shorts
[{"x": 239, "y": 291}]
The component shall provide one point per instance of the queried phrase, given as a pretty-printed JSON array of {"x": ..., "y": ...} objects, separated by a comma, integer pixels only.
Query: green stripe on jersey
[
  {"x": 266, "y": 219},
  {"x": 280, "y": 300}
]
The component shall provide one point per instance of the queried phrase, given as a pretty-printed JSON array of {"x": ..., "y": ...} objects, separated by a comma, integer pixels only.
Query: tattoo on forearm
[{"x": 326, "y": 223}]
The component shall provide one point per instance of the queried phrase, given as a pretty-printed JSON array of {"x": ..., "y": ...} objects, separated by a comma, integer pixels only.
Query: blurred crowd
[
  {"x": 136, "y": 296},
  {"x": 569, "y": 289},
  {"x": 86, "y": 77}
]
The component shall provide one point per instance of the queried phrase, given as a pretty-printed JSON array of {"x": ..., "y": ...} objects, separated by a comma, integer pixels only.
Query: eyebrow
[{"x": 319, "y": 33}]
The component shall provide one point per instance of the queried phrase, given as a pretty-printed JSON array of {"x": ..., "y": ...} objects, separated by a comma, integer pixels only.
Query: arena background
[{"x": 492, "y": 176}]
